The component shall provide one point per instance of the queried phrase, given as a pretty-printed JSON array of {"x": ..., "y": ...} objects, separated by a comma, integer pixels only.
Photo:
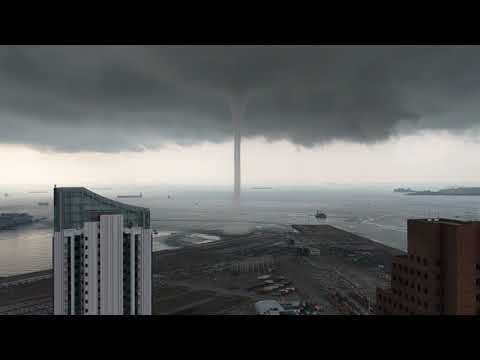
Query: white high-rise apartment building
[{"x": 102, "y": 254}]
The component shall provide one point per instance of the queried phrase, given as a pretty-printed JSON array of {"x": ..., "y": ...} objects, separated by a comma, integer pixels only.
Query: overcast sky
[{"x": 160, "y": 114}]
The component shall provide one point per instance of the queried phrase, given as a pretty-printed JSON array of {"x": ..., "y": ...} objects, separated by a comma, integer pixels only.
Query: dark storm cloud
[{"x": 114, "y": 98}]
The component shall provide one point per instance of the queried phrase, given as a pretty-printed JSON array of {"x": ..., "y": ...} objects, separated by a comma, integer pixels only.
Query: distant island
[
  {"x": 12, "y": 220},
  {"x": 403, "y": 190},
  {"x": 461, "y": 191}
]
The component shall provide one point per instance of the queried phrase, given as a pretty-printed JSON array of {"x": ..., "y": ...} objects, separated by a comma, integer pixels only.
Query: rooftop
[
  {"x": 265, "y": 306},
  {"x": 444, "y": 221},
  {"x": 74, "y": 206}
]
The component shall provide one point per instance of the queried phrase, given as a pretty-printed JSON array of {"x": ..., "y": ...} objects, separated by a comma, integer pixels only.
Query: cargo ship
[{"x": 130, "y": 196}]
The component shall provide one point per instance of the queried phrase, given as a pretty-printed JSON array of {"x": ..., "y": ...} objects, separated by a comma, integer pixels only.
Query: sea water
[{"x": 204, "y": 215}]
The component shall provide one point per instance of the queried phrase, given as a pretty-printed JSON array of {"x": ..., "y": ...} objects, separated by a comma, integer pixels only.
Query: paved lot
[{"x": 340, "y": 275}]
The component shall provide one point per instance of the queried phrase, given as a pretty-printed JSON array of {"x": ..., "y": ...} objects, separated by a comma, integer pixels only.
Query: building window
[
  {"x": 411, "y": 257},
  {"x": 477, "y": 282},
  {"x": 478, "y": 297},
  {"x": 418, "y": 259},
  {"x": 86, "y": 256},
  {"x": 477, "y": 266},
  {"x": 380, "y": 296},
  {"x": 425, "y": 276},
  {"x": 86, "y": 238},
  {"x": 412, "y": 272},
  {"x": 418, "y": 273},
  {"x": 425, "y": 291},
  {"x": 425, "y": 263},
  {"x": 412, "y": 299},
  {"x": 425, "y": 305},
  {"x": 394, "y": 265},
  {"x": 394, "y": 278},
  {"x": 437, "y": 263},
  {"x": 86, "y": 311},
  {"x": 412, "y": 285},
  {"x": 419, "y": 288}
]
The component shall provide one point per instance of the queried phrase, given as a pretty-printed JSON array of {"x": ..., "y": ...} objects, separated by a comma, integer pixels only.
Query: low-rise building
[{"x": 268, "y": 307}]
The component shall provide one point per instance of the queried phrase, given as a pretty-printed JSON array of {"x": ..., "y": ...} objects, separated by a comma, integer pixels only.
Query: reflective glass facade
[{"x": 75, "y": 206}]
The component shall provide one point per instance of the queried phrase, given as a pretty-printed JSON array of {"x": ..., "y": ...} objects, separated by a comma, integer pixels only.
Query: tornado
[{"x": 237, "y": 110}]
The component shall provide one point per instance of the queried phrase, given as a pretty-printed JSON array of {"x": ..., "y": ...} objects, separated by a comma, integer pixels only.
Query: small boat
[{"x": 320, "y": 215}]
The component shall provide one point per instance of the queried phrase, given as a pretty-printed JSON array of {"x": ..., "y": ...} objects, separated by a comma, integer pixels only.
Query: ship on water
[
  {"x": 42, "y": 203},
  {"x": 130, "y": 196},
  {"x": 320, "y": 215}
]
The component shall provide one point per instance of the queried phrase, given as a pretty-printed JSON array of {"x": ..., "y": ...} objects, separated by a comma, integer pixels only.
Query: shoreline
[
  {"x": 198, "y": 278},
  {"x": 339, "y": 269},
  {"x": 178, "y": 245}
]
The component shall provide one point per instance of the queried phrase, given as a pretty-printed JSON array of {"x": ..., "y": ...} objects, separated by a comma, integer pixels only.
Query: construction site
[
  {"x": 313, "y": 270},
  {"x": 310, "y": 270}
]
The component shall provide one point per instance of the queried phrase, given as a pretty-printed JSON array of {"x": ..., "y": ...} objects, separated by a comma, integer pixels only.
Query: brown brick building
[{"x": 441, "y": 272}]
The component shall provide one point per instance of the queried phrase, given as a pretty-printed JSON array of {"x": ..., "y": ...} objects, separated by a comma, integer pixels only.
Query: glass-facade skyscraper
[{"x": 102, "y": 252}]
